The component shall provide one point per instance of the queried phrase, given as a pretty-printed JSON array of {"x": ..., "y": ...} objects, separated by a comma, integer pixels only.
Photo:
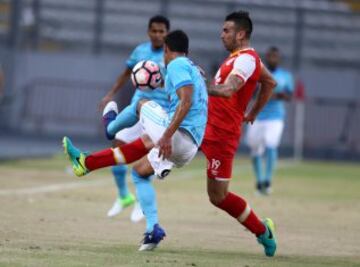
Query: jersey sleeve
[
  {"x": 133, "y": 58},
  {"x": 179, "y": 74},
  {"x": 244, "y": 66}
]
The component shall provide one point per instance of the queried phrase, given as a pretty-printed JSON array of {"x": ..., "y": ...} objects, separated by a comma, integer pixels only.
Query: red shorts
[{"x": 220, "y": 156}]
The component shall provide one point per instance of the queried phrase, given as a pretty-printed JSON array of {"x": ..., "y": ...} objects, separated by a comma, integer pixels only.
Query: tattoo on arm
[{"x": 233, "y": 84}]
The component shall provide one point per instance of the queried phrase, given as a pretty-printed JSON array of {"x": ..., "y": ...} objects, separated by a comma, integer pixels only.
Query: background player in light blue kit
[
  {"x": 263, "y": 137},
  {"x": 158, "y": 27}
]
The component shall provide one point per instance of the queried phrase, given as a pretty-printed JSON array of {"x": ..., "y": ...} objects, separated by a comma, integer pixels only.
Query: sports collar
[{"x": 240, "y": 50}]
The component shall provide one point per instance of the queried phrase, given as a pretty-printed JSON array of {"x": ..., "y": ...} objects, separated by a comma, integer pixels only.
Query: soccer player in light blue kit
[
  {"x": 158, "y": 27},
  {"x": 263, "y": 137},
  {"x": 170, "y": 139}
]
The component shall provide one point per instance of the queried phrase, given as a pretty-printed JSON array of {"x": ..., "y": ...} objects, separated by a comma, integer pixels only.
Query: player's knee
[
  {"x": 257, "y": 150},
  {"x": 142, "y": 169},
  {"x": 138, "y": 175},
  {"x": 147, "y": 141},
  {"x": 216, "y": 197},
  {"x": 217, "y": 191}
]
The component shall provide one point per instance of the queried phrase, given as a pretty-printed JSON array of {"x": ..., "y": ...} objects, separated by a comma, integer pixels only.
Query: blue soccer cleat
[
  {"x": 152, "y": 240},
  {"x": 76, "y": 157},
  {"x": 109, "y": 114},
  {"x": 268, "y": 239}
]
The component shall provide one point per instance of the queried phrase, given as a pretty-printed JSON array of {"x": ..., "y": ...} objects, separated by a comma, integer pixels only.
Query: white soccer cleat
[
  {"x": 115, "y": 209},
  {"x": 137, "y": 215},
  {"x": 269, "y": 190},
  {"x": 152, "y": 240},
  {"x": 111, "y": 106},
  {"x": 120, "y": 204},
  {"x": 148, "y": 247}
]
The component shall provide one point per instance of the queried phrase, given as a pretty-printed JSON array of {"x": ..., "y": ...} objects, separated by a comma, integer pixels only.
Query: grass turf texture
[{"x": 50, "y": 218}]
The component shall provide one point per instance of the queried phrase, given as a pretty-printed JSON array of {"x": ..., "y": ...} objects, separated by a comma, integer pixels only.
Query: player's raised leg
[
  {"x": 76, "y": 157},
  {"x": 83, "y": 163},
  {"x": 115, "y": 122}
]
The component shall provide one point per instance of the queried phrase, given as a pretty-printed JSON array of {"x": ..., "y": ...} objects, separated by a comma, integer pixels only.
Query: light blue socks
[
  {"x": 146, "y": 196},
  {"x": 257, "y": 165},
  {"x": 119, "y": 172},
  {"x": 126, "y": 118},
  {"x": 271, "y": 155}
]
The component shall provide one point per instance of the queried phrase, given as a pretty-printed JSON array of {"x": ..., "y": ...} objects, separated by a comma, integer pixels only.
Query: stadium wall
[{"x": 53, "y": 94}]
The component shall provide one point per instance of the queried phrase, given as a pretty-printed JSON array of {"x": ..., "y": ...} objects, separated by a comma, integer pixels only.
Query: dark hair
[
  {"x": 273, "y": 49},
  {"x": 242, "y": 20},
  {"x": 177, "y": 41},
  {"x": 159, "y": 19}
]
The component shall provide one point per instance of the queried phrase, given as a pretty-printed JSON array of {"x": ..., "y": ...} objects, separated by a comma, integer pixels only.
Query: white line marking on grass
[
  {"x": 52, "y": 188},
  {"x": 184, "y": 174}
]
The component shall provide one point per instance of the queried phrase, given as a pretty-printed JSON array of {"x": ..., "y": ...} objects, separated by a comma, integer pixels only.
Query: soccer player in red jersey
[{"x": 229, "y": 95}]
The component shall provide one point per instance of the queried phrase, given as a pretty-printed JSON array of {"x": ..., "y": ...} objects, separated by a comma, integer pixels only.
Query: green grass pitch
[{"x": 50, "y": 218}]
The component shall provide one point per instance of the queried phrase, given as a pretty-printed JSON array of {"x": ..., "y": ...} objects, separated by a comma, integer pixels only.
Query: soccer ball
[{"x": 146, "y": 75}]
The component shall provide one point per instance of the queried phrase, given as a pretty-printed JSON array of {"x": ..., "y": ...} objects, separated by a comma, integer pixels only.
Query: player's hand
[
  {"x": 106, "y": 99},
  {"x": 164, "y": 145},
  {"x": 250, "y": 118}
]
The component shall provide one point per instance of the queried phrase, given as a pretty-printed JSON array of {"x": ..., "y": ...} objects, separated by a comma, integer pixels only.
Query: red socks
[
  {"x": 133, "y": 151},
  {"x": 240, "y": 210},
  {"x": 123, "y": 154},
  {"x": 100, "y": 159},
  {"x": 233, "y": 204}
]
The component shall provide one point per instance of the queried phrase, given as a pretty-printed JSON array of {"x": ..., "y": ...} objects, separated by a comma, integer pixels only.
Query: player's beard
[{"x": 231, "y": 46}]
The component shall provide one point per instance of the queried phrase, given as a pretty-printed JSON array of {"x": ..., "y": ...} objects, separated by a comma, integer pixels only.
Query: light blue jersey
[
  {"x": 181, "y": 71},
  {"x": 275, "y": 109},
  {"x": 145, "y": 51}
]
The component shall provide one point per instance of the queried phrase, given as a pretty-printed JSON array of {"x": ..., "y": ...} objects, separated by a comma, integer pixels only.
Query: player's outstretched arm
[
  {"x": 226, "y": 90},
  {"x": 267, "y": 84},
  {"x": 185, "y": 95},
  {"x": 120, "y": 82}
]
